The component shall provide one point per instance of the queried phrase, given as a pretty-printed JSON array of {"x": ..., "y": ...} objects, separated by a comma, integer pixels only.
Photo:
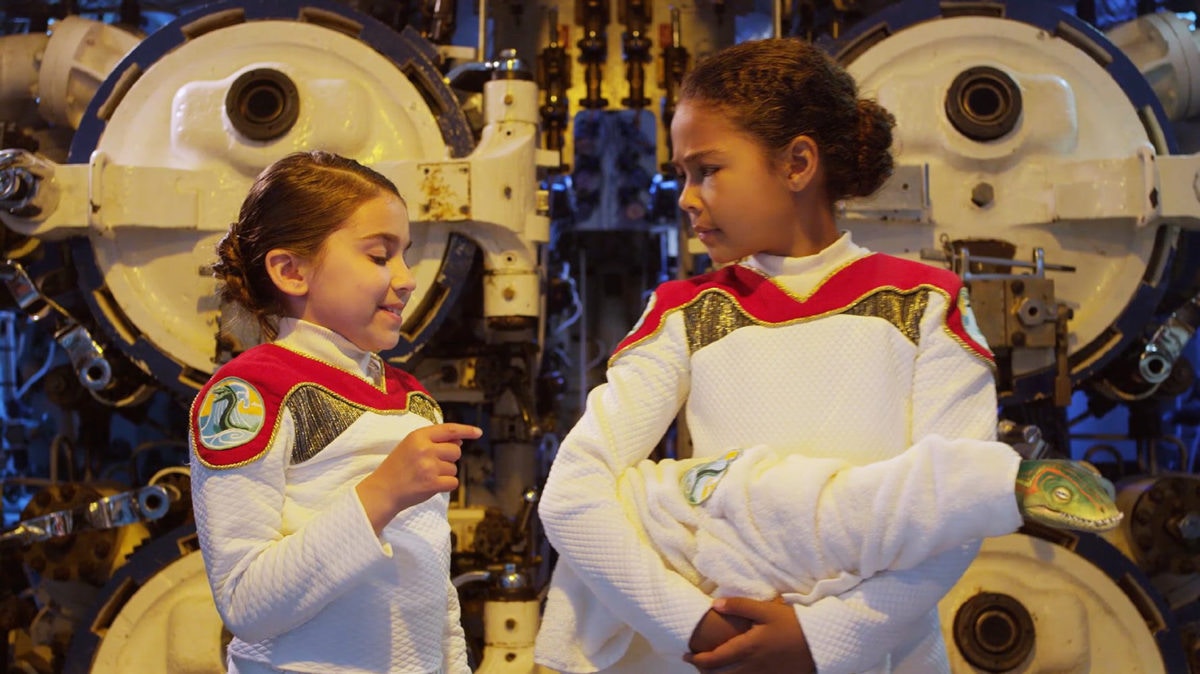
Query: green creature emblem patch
[{"x": 231, "y": 414}]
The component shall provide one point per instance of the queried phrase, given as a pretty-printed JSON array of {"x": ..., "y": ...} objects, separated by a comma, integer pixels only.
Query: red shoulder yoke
[
  {"x": 235, "y": 415},
  {"x": 759, "y": 297}
]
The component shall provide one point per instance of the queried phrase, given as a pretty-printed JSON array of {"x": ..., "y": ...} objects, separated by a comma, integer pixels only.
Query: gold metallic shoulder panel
[
  {"x": 711, "y": 316},
  {"x": 714, "y": 314},
  {"x": 425, "y": 406},
  {"x": 321, "y": 415},
  {"x": 903, "y": 309}
]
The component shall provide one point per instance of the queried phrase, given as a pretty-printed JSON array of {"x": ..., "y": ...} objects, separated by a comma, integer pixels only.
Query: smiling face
[
  {"x": 359, "y": 282},
  {"x": 743, "y": 199}
]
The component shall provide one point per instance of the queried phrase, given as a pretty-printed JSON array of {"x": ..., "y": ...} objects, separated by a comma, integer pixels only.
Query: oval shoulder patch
[{"x": 231, "y": 414}]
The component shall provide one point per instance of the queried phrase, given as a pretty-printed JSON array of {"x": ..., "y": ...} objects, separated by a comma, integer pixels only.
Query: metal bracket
[
  {"x": 142, "y": 505},
  {"x": 87, "y": 355}
]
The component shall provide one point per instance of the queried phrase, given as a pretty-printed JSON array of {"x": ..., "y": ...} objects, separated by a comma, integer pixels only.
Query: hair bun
[{"x": 874, "y": 140}]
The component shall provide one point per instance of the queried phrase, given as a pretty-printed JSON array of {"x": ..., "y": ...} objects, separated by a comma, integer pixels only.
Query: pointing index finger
[{"x": 450, "y": 432}]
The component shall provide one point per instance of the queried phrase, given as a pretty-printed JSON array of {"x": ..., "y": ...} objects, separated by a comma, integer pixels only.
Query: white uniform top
[
  {"x": 297, "y": 572},
  {"x": 757, "y": 524},
  {"x": 842, "y": 354}
]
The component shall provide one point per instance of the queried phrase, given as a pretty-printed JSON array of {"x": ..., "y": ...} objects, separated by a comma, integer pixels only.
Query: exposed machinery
[
  {"x": 172, "y": 135},
  {"x": 1035, "y": 158},
  {"x": 1043, "y": 152}
]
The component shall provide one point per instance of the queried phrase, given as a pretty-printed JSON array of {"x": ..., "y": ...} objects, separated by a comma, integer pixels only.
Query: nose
[
  {"x": 403, "y": 280},
  {"x": 689, "y": 200}
]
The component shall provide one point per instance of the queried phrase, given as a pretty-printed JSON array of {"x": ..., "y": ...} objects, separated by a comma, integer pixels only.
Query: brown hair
[
  {"x": 294, "y": 204},
  {"x": 777, "y": 89}
]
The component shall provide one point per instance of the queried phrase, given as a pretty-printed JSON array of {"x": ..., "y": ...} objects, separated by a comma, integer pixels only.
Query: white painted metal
[
  {"x": 78, "y": 57},
  {"x": 170, "y": 170},
  {"x": 353, "y": 101},
  {"x": 1164, "y": 48},
  {"x": 1073, "y": 177},
  {"x": 19, "y": 58},
  {"x": 169, "y": 625},
  {"x": 509, "y": 628},
  {"x": 1084, "y": 622}
]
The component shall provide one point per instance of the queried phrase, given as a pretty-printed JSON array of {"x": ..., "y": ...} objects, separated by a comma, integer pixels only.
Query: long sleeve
[
  {"x": 280, "y": 439},
  {"x": 806, "y": 527},
  {"x": 850, "y": 358},
  {"x": 953, "y": 397},
  {"x": 265, "y": 580},
  {"x": 580, "y": 509},
  {"x": 455, "y": 644}
]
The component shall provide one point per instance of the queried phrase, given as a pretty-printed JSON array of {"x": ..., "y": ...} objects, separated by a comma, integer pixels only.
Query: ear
[
  {"x": 801, "y": 162},
  {"x": 288, "y": 271}
]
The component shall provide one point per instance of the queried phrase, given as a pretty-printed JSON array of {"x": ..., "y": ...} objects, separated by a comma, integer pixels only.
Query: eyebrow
[
  {"x": 388, "y": 238},
  {"x": 696, "y": 156}
]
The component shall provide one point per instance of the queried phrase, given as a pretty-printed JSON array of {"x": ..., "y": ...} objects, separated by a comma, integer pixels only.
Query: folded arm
[
  {"x": 807, "y": 527},
  {"x": 953, "y": 396},
  {"x": 580, "y": 508}
]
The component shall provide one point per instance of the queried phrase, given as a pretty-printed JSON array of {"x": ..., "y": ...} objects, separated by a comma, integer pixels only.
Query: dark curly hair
[
  {"x": 294, "y": 204},
  {"x": 779, "y": 88}
]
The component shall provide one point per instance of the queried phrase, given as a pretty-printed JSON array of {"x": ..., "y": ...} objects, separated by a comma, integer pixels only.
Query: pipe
[
  {"x": 77, "y": 58},
  {"x": 20, "y": 56}
]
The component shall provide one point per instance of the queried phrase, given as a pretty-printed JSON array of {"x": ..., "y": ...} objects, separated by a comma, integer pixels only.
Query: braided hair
[{"x": 294, "y": 204}]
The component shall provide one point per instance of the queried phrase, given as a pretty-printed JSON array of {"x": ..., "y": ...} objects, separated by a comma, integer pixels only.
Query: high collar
[
  {"x": 325, "y": 345},
  {"x": 801, "y": 274},
  {"x": 842, "y": 250}
]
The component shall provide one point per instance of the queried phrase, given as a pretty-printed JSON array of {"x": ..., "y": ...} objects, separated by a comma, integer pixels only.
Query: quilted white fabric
[
  {"x": 298, "y": 574},
  {"x": 806, "y": 528},
  {"x": 847, "y": 387}
]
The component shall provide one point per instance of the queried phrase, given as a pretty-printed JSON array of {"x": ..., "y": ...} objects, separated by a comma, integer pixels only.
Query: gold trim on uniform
[
  {"x": 422, "y": 405},
  {"x": 376, "y": 380},
  {"x": 319, "y": 417},
  {"x": 803, "y": 297},
  {"x": 970, "y": 349},
  {"x": 418, "y": 403},
  {"x": 714, "y": 313},
  {"x": 903, "y": 310},
  {"x": 711, "y": 316},
  {"x": 309, "y": 418}
]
